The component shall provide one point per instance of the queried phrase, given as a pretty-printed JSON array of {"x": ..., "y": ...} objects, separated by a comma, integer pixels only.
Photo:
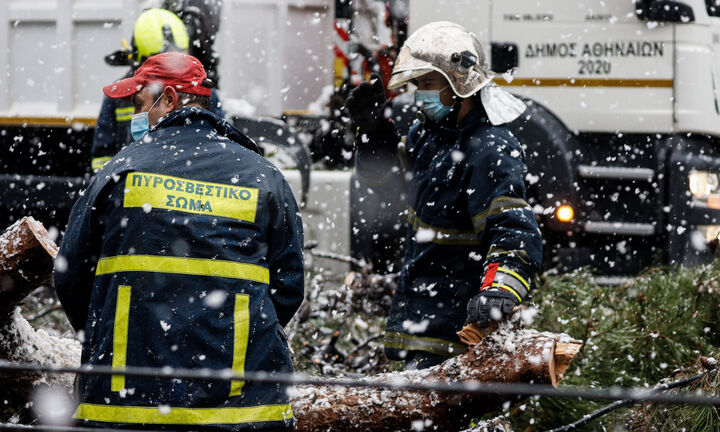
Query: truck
[
  {"x": 274, "y": 59},
  {"x": 621, "y": 131}
]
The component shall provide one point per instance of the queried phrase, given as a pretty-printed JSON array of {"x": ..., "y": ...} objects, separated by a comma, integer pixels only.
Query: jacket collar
[
  {"x": 197, "y": 117},
  {"x": 476, "y": 117}
]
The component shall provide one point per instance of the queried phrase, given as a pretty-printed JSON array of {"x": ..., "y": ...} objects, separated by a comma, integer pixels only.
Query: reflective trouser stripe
[
  {"x": 403, "y": 341},
  {"x": 98, "y": 162},
  {"x": 187, "y": 266},
  {"x": 498, "y": 205},
  {"x": 120, "y": 335},
  {"x": 189, "y": 416},
  {"x": 242, "y": 329}
]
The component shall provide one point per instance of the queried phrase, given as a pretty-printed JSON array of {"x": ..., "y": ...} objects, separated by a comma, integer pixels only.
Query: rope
[
  {"x": 621, "y": 403},
  {"x": 470, "y": 387}
]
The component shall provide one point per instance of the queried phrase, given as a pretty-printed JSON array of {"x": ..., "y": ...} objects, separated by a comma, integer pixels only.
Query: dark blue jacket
[
  {"x": 112, "y": 131},
  {"x": 184, "y": 251},
  {"x": 469, "y": 225}
]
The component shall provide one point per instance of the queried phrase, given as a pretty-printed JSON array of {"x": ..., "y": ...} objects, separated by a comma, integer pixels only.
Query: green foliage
[
  {"x": 691, "y": 419},
  {"x": 652, "y": 328}
]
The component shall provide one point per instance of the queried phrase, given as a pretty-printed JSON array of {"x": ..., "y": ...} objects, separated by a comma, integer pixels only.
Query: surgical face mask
[
  {"x": 430, "y": 104},
  {"x": 140, "y": 123}
]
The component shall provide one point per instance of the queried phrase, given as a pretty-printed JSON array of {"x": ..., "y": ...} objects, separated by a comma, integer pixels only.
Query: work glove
[
  {"x": 366, "y": 106},
  {"x": 494, "y": 304}
]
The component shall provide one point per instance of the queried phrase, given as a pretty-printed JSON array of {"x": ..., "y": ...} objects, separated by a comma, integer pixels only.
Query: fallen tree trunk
[
  {"x": 507, "y": 355},
  {"x": 27, "y": 254}
]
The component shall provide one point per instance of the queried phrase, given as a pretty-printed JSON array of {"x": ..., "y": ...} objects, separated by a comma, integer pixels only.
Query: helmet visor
[{"x": 403, "y": 77}]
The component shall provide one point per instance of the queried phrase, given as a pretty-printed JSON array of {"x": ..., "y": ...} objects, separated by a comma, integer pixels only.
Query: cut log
[
  {"x": 27, "y": 254},
  {"x": 507, "y": 355}
]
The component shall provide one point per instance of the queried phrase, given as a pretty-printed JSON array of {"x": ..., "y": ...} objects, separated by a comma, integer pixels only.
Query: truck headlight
[
  {"x": 703, "y": 184},
  {"x": 706, "y": 237}
]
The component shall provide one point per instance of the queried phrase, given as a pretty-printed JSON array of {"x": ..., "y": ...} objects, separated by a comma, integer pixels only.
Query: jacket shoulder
[{"x": 494, "y": 138}]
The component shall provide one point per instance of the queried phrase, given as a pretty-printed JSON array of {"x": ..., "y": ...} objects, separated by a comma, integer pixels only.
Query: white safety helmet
[
  {"x": 447, "y": 48},
  {"x": 457, "y": 54}
]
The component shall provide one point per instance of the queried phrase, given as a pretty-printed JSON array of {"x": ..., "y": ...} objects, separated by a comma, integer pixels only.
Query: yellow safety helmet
[{"x": 157, "y": 31}]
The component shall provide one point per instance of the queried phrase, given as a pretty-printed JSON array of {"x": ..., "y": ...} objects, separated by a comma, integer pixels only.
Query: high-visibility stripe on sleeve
[
  {"x": 447, "y": 236},
  {"x": 516, "y": 275},
  {"x": 240, "y": 341},
  {"x": 508, "y": 289},
  {"x": 511, "y": 281},
  {"x": 404, "y": 341},
  {"x": 98, "y": 162},
  {"x": 187, "y": 266},
  {"x": 183, "y": 416},
  {"x": 124, "y": 114},
  {"x": 498, "y": 205},
  {"x": 120, "y": 335},
  {"x": 496, "y": 252}
]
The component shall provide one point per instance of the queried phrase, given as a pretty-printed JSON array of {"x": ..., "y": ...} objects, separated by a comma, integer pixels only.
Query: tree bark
[
  {"x": 503, "y": 354},
  {"x": 507, "y": 355},
  {"x": 27, "y": 254}
]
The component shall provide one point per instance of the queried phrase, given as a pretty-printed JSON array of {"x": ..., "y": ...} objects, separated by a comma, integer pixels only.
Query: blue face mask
[
  {"x": 430, "y": 104},
  {"x": 140, "y": 123}
]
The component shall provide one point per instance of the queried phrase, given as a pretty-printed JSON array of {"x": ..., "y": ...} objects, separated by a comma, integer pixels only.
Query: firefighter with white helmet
[
  {"x": 473, "y": 244},
  {"x": 156, "y": 31}
]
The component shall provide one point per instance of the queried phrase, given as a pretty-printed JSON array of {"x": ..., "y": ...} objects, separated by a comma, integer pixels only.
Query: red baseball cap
[{"x": 182, "y": 71}]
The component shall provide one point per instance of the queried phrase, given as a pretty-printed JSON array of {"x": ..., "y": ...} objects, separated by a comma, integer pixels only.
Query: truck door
[{"x": 594, "y": 64}]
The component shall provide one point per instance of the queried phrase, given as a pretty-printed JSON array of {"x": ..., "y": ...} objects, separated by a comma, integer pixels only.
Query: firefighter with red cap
[{"x": 184, "y": 251}]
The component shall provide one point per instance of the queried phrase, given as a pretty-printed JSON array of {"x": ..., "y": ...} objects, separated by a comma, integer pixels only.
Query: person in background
[
  {"x": 185, "y": 251},
  {"x": 156, "y": 31},
  {"x": 472, "y": 245}
]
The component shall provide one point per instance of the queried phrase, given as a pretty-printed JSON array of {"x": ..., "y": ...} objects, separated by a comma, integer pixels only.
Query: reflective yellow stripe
[
  {"x": 188, "y": 266},
  {"x": 508, "y": 288},
  {"x": 190, "y": 416},
  {"x": 242, "y": 330},
  {"x": 124, "y": 114},
  {"x": 448, "y": 236},
  {"x": 120, "y": 333},
  {"x": 498, "y": 205},
  {"x": 98, "y": 162},
  {"x": 404, "y": 341},
  {"x": 496, "y": 252},
  {"x": 517, "y": 276}
]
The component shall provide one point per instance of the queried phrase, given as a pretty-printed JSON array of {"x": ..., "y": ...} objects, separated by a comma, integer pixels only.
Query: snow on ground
[{"x": 38, "y": 347}]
